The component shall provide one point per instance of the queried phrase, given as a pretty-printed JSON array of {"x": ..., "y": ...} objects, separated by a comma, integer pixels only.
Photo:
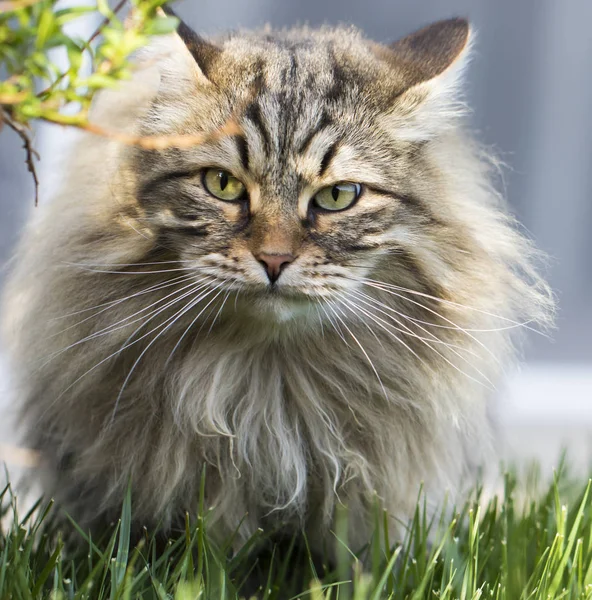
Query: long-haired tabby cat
[{"x": 313, "y": 307}]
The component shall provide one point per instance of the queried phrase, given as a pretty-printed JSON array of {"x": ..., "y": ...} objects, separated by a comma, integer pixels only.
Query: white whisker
[
  {"x": 336, "y": 329},
  {"x": 370, "y": 301},
  {"x": 125, "y": 322},
  {"x": 219, "y": 311},
  {"x": 127, "y": 344},
  {"x": 138, "y": 264},
  {"x": 316, "y": 305},
  {"x": 384, "y": 325},
  {"x": 454, "y": 348},
  {"x": 428, "y": 309},
  {"x": 446, "y": 359},
  {"x": 156, "y": 286},
  {"x": 361, "y": 348},
  {"x": 449, "y": 302},
  {"x": 177, "y": 316},
  {"x": 148, "y": 272},
  {"x": 111, "y": 304},
  {"x": 193, "y": 323},
  {"x": 344, "y": 297}
]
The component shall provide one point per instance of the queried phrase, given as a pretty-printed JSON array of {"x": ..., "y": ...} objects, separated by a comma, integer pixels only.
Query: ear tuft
[
  {"x": 427, "y": 72},
  {"x": 428, "y": 52},
  {"x": 204, "y": 52}
]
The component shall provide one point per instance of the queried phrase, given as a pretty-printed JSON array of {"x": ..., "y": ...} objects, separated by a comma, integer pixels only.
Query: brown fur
[{"x": 148, "y": 342}]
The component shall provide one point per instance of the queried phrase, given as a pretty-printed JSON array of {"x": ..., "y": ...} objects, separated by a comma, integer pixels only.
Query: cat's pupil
[
  {"x": 223, "y": 179},
  {"x": 335, "y": 193}
]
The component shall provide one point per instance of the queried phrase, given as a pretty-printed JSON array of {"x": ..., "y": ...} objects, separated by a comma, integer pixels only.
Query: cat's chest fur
[{"x": 281, "y": 427}]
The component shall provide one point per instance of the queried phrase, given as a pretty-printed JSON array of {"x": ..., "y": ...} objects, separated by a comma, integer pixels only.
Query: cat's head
[
  {"x": 326, "y": 176},
  {"x": 347, "y": 164}
]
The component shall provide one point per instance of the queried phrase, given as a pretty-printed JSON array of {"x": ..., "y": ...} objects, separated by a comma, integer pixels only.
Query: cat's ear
[
  {"x": 182, "y": 55},
  {"x": 430, "y": 64},
  {"x": 435, "y": 53},
  {"x": 204, "y": 53}
]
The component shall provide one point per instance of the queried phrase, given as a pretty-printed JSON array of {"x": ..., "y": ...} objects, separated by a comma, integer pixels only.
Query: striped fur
[{"x": 148, "y": 343}]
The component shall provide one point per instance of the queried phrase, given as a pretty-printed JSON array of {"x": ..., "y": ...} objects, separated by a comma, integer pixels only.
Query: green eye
[
  {"x": 223, "y": 185},
  {"x": 338, "y": 197}
]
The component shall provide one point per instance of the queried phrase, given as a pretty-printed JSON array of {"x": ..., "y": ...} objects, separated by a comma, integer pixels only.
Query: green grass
[{"x": 519, "y": 545}]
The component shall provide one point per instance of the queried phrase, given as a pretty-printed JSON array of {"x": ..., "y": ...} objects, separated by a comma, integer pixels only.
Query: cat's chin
[{"x": 279, "y": 307}]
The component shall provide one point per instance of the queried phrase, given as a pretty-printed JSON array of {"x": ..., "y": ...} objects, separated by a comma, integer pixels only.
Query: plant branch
[
  {"x": 105, "y": 22},
  {"x": 159, "y": 142},
  {"x": 31, "y": 153},
  {"x": 87, "y": 44}
]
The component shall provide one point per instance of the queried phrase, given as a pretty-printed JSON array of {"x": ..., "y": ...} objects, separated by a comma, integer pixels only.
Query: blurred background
[{"x": 530, "y": 90}]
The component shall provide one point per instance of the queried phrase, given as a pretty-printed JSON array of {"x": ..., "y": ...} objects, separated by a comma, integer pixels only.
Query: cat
[{"x": 312, "y": 307}]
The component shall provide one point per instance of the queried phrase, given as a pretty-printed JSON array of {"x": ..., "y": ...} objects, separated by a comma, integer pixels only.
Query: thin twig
[
  {"x": 155, "y": 142},
  {"x": 161, "y": 142},
  {"x": 87, "y": 44},
  {"x": 31, "y": 153},
  {"x": 105, "y": 22}
]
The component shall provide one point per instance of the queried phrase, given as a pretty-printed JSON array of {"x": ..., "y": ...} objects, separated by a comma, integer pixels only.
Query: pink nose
[{"x": 274, "y": 264}]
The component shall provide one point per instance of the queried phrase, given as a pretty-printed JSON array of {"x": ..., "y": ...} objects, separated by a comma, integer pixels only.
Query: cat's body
[{"x": 302, "y": 356}]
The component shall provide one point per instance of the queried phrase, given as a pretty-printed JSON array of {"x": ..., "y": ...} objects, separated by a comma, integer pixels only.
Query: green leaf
[
  {"x": 161, "y": 26},
  {"x": 48, "y": 569},
  {"x": 123, "y": 542},
  {"x": 66, "y": 15},
  {"x": 99, "y": 81},
  {"x": 74, "y": 56},
  {"x": 104, "y": 8},
  {"x": 45, "y": 28}
]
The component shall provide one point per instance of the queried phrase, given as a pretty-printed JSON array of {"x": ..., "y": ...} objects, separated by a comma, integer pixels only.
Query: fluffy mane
[{"x": 148, "y": 343}]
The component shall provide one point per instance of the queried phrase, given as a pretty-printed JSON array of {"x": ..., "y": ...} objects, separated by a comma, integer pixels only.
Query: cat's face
[{"x": 325, "y": 178}]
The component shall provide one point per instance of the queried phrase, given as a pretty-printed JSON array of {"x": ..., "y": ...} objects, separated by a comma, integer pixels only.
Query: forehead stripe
[
  {"x": 253, "y": 113},
  {"x": 328, "y": 157},
  {"x": 243, "y": 150}
]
